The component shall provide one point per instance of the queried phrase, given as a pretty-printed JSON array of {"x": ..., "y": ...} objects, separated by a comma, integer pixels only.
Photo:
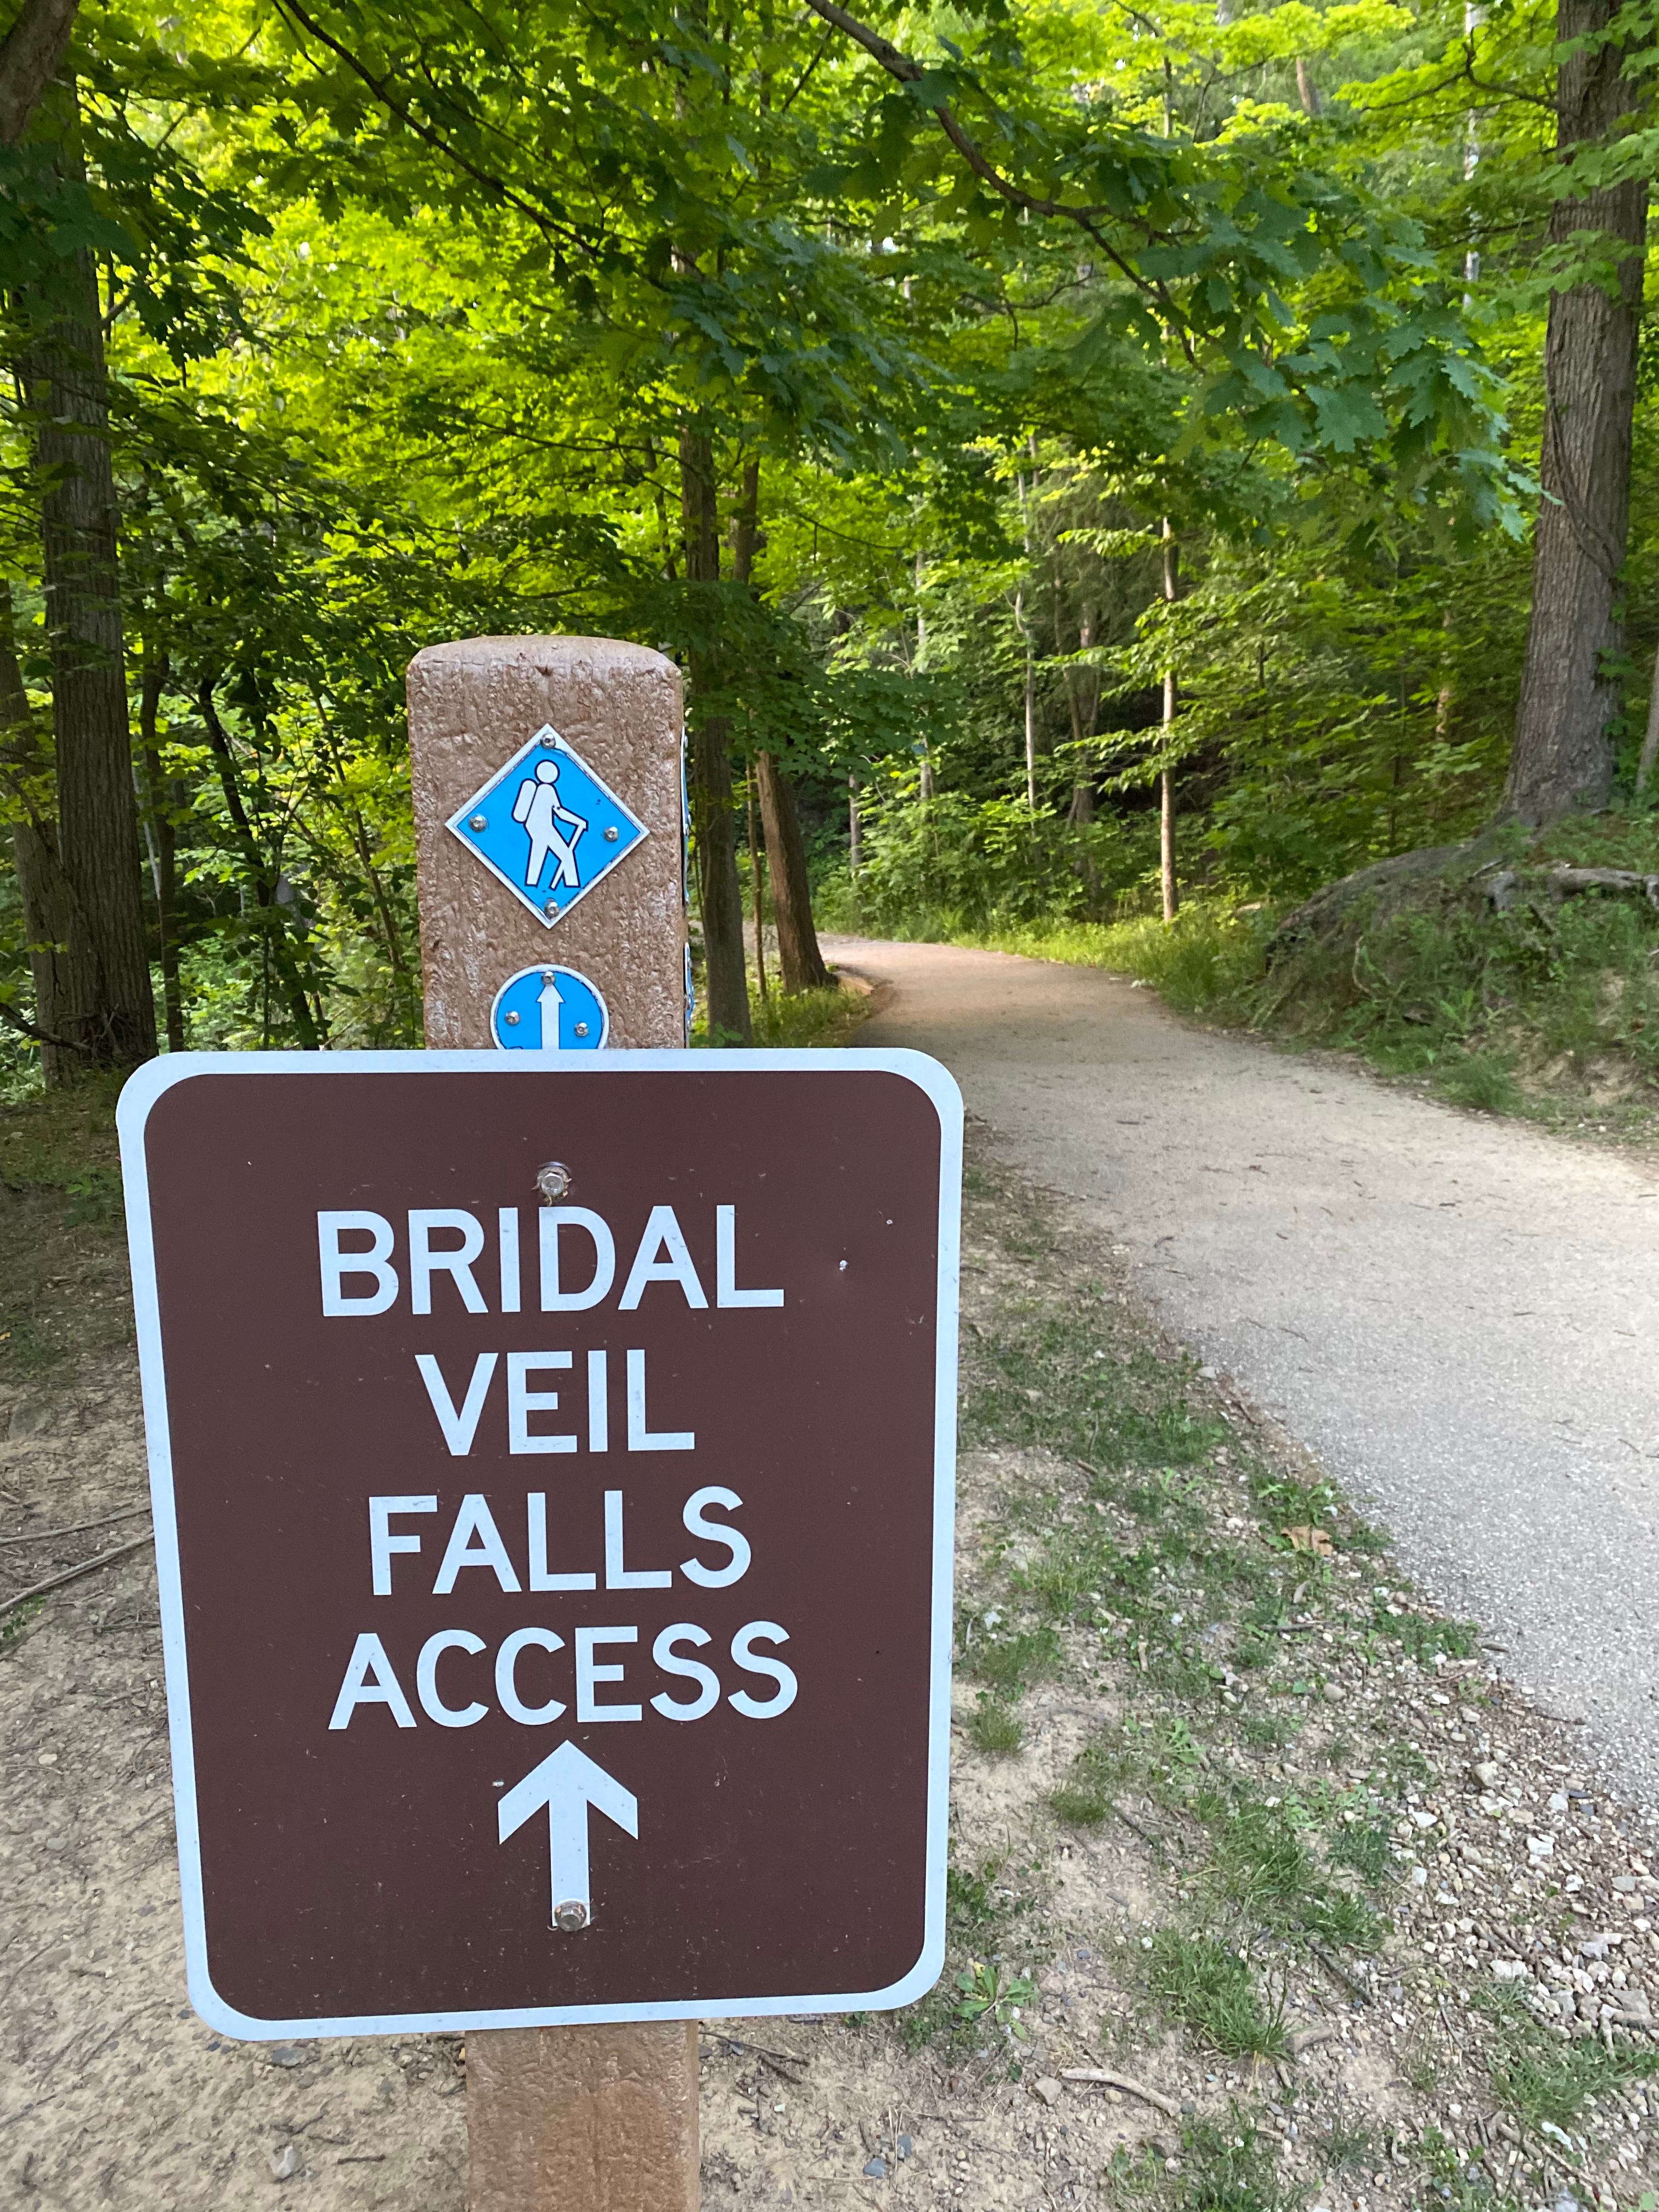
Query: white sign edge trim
[
  {"x": 140, "y": 1093},
  {"x": 453, "y": 824}
]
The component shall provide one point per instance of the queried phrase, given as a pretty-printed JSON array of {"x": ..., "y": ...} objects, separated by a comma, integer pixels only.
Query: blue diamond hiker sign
[
  {"x": 547, "y": 825},
  {"x": 548, "y": 1010}
]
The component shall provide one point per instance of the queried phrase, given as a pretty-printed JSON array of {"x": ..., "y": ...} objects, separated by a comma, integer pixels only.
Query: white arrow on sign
[
  {"x": 568, "y": 1781},
  {"x": 550, "y": 1002}
]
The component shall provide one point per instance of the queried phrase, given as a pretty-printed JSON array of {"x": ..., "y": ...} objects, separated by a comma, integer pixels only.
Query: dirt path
[{"x": 1459, "y": 1316}]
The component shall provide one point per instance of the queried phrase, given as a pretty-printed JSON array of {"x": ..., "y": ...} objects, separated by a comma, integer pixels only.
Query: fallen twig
[
  {"x": 1333, "y": 1966},
  {"x": 73, "y": 1574},
  {"x": 1145, "y": 1835},
  {"x": 1122, "y": 2081},
  {"x": 1308, "y": 2038},
  {"x": 76, "y": 1527},
  {"x": 737, "y": 2043}
]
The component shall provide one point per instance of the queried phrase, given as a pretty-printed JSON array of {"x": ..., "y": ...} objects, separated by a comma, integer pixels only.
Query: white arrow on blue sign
[
  {"x": 548, "y": 1010},
  {"x": 547, "y": 826}
]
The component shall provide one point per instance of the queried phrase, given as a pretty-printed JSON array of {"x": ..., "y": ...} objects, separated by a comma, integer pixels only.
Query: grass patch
[
  {"x": 1544, "y": 2082},
  {"x": 1423, "y": 1638},
  {"x": 1232, "y": 2168},
  {"x": 1368, "y": 1850},
  {"x": 992, "y": 1727},
  {"x": 1262, "y": 1865},
  {"x": 1088, "y": 1795},
  {"x": 794, "y": 1021},
  {"x": 1199, "y": 1980},
  {"x": 1052, "y": 1383},
  {"x": 1012, "y": 1662},
  {"x": 982, "y": 1917}
]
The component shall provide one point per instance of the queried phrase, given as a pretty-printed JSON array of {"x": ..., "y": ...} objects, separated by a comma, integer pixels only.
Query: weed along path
[{"x": 1458, "y": 1316}]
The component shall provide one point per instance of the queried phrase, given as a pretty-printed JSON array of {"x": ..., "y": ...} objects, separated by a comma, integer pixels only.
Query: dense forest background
[{"x": 1091, "y": 461}]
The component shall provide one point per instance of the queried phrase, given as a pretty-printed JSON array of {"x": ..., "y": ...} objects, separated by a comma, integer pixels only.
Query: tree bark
[
  {"x": 758, "y": 886},
  {"x": 160, "y": 836},
  {"x": 41, "y": 887},
  {"x": 713, "y": 815},
  {"x": 1651, "y": 735},
  {"x": 800, "y": 961},
  {"x": 1563, "y": 755},
  {"x": 110, "y": 1009},
  {"x": 1166, "y": 791},
  {"x": 29, "y": 57}
]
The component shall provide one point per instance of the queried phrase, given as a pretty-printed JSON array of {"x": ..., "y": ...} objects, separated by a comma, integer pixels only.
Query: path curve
[{"x": 1459, "y": 1316}]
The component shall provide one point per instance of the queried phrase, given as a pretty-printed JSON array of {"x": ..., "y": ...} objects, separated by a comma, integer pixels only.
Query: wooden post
[
  {"x": 561, "y": 2119},
  {"x": 471, "y": 706}
]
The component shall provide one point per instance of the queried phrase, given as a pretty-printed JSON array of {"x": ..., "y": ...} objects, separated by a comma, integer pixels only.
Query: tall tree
[
  {"x": 1571, "y": 690},
  {"x": 108, "y": 1007},
  {"x": 713, "y": 811}
]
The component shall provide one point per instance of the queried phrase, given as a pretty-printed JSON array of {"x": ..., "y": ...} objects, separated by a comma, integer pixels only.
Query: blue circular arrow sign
[{"x": 548, "y": 1010}]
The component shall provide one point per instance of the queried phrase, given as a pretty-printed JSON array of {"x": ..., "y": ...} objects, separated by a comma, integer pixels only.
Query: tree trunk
[
  {"x": 758, "y": 886},
  {"x": 1651, "y": 735},
  {"x": 29, "y": 57},
  {"x": 40, "y": 884},
  {"x": 1166, "y": 793},
  {"x": 800, "y": 960},
  {"x": 714, "y": 817},
  {"x": 159, "y": 836},
  {"x": 109, "y": 1008},
  {"x": 854, "y": 826},
  {"x": 262, "y": 880},
  {"x": 1563, "y": 756}
]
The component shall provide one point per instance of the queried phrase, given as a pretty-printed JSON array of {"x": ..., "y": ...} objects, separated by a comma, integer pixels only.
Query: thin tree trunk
[
  {"x": 279, "y": 953},
  {"x": 1166, "y": 789},
  {"x": 1024, "y": 629},
  {"x": 1306, "y": 90},
  {"x": 1563, "y": 756},
  {"x": 160, "y": 836},
  {"x": 42, "y": 889},
  {"x": 109, "y": 1009},
  {"x": 1651, "y": 735},
  {"x": 800, "y": 960},
  {"x": 713, "y": 815},
  {"x": 854, "y": 826},
  {"x": 758, "y": 884}
]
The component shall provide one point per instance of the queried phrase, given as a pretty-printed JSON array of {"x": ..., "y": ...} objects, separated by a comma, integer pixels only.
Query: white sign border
[{"x": 140, "y": 1095}]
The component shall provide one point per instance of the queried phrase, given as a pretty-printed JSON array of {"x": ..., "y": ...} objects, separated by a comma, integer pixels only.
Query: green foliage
[
  {"x": 991, "y": 1996},
  {"x": 421, "y": 327}
]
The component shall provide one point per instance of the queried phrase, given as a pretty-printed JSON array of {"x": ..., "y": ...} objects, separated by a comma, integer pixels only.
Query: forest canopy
[{"x": 1078, "y": 455}]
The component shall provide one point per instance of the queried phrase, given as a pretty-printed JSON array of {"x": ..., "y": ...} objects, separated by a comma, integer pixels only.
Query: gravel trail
[{"x": 1459, "y": 1316}]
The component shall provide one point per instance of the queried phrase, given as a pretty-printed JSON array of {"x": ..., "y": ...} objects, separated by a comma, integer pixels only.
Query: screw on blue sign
[
  {"x": 548, "y": 1010},
  {"x": 547, "y": 825}
]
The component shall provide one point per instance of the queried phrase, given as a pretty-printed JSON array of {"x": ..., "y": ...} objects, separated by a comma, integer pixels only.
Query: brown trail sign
[
  {"x": 555, "y": 1594},
  {"x": 552, "y": 1455}
]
